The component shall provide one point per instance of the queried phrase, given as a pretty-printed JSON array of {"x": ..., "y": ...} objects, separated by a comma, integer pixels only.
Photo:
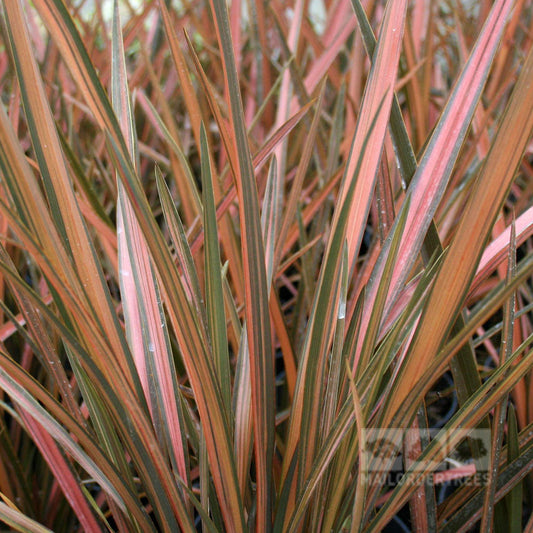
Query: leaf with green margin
[
  {"x": 97, "y": 409},
  {"x": 62, "y": 470},
  {"x": 19, "y": 521},
  {"x": 63, "y": 30},
  {"x": 440, "y": 363},
  {"x": 479, "y": 315},
  {"x": 393, "y": 244},
  {"x": 187, "y": 88},
  {"x": 335, "y": 371},
  {"x": 320, "y": 328},
  {"x": 342, "y": 425},
  {"x": 345, "y": 419},
  {"x": 463, "y": 509},
  {"x": 26, "y": 392},
  {"x": 178, "y": 151},
  {"x": 514, "y": 498},
  {"x": 104, "y": 429},
  {"x": 214, "y": 298},
  {"x": 84, "y": 183},
  {"x": 242, "y": 405},
  {"x": 361, "y": 482},
  {"x": 189, "y": 331},
  {"x": 192, "y": 339},
  {"x": 342, "y": 469},
  {"x": 485, "y": 201},
  {"x": 297, "y": 184},
  {"x": 497, "y": 386},
  {"x": 270, "y": 219},
  {"x": 255, "y": 282},
  {"x": 402, "y": 143},
  {"x": 375, "y": 107},
  {"x": 59, "y": 190},
  {"x": 464, "y": 367},
  {"x": 186, "y": 188},
  {"x": 279, "y": 135},
  {"x": 127, "y": 414},
  {"x": 27, "y": 200},
  {"x": 423, "y": 505},
  {"x": 145, "y": 320},
  {"x": 429, "y": 183},
  {"x": 41, "y": 343},
  {"x": 491, "y": 514},
  {"x": 207, "y": 523},
  {"x": 180, "y": 245},
  {"x": 399, "y": 331}
]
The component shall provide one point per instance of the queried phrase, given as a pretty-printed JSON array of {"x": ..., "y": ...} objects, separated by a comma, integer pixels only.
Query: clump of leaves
[{"x": 265, "y": 268}]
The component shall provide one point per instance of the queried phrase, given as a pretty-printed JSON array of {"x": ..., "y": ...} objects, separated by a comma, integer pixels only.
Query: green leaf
[
  {"x": 514, "y": 498},
  {"x": 216, "y": 317}
]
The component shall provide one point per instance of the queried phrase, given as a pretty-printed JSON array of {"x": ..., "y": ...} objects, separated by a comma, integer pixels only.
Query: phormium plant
[{"x": 266, "y": 266}]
